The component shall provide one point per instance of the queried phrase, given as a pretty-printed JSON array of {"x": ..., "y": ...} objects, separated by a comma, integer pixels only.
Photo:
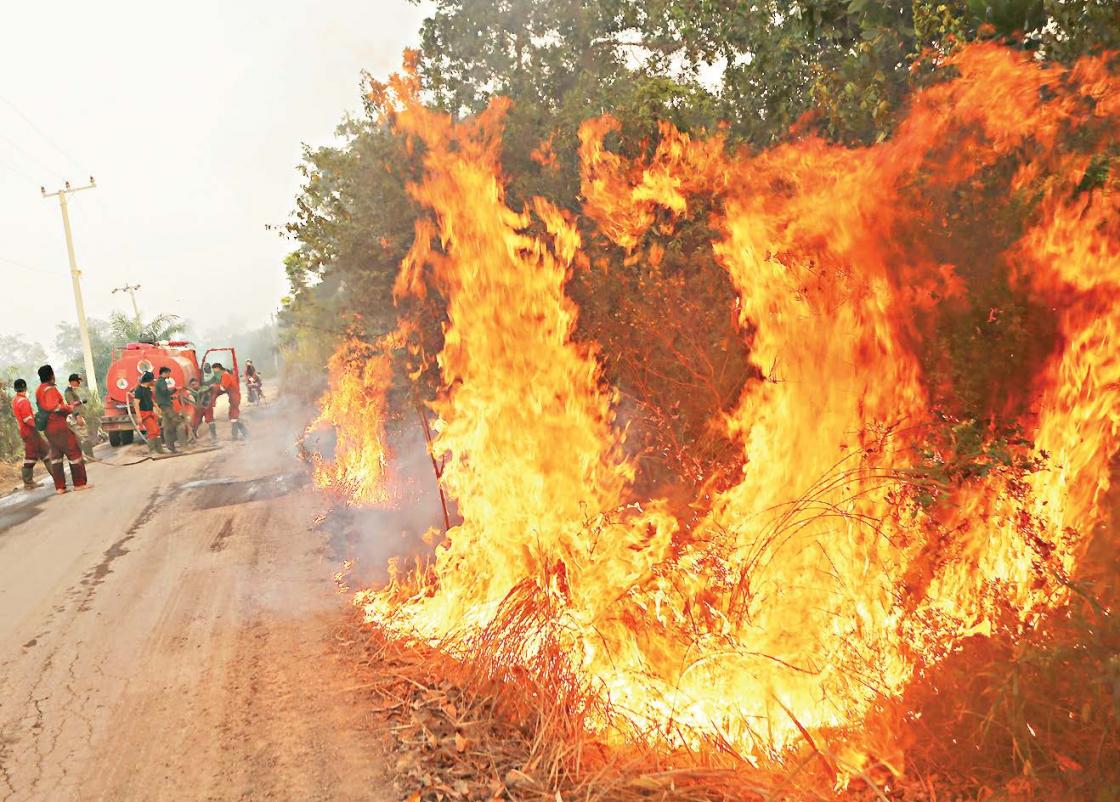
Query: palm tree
[{"x": 134, "y": 330}]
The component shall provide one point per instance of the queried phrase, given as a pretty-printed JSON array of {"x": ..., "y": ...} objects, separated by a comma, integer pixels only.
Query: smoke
[{"x": 403, "y": 530}]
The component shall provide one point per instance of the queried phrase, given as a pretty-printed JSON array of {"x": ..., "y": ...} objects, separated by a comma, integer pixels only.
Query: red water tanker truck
[{"x": 131, "y": 361}]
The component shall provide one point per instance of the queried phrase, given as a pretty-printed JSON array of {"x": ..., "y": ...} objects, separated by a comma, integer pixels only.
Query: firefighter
[
  {"x": 87, "y": 424},
  {"x": 202, "y": 408},
  {"x": 62, "y": 440},
  {"x": 144, "y": 406},
  {"x": 227, "y": 383},
  {"x": 169, "y": 412},
  {"x": 35, "y": 448}
]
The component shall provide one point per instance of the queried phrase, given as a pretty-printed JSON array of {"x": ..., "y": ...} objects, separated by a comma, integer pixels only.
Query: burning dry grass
[
  {"x": 459, "y": 730},
  {"x": 605, "y": 649}
]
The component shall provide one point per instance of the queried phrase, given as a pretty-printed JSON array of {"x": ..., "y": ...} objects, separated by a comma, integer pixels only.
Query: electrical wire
[
  {"x": 31, "y": 156},
  {"x": 29, "y": 268},
  {"x": 17, "y": 169},
  {"x": 74, "y": 162}
]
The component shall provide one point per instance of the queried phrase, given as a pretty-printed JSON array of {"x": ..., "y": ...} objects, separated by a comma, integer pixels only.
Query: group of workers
[
  {"x": 162, "y": 410},
  {"x": 47, "y": 434}
]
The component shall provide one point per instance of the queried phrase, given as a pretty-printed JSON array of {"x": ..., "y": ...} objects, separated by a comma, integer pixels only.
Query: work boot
[
  {"x": 234, "y": 433},
  {"x": 155, "y": 446},
  {"x": 241, "y": 428},
  {"x": 28, "y": 473},
  {"x": 213, "y": 432}
]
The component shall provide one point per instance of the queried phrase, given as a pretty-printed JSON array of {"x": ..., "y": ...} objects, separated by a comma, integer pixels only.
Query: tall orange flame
[
  {"x": 815, "y": 587},
  {"x": 355, "y": 405}
]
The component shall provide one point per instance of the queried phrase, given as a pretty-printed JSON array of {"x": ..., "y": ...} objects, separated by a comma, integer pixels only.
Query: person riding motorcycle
[{"x": 254, "y": 385}]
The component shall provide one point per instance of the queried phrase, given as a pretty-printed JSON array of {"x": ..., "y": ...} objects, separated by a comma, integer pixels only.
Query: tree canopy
[{"x": 757, "y": 72}]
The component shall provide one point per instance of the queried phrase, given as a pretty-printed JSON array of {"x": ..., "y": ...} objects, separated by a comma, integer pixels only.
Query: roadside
[{"x": 171, "y": 635}]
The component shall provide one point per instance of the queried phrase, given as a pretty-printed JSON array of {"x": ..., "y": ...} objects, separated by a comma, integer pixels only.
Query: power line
[
  {"x": 17, "y": 169},
  {"x": 30, "y": 155},
  {"x": 25, "y": 266},
  {"x": 74, "y": 162}
]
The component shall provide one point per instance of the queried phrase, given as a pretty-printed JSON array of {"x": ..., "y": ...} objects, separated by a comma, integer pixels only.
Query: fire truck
[{"x": 132, "y": 361}]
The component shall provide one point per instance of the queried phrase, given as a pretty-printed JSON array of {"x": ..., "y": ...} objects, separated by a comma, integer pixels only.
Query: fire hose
[{"x": 143, "y": 436}]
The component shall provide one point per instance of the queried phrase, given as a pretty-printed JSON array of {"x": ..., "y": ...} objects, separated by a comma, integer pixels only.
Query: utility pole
[
  {"x": 131, "y": 290},
  {"x": 275, "y": 346},
  {"x": 75, "y": 276}
]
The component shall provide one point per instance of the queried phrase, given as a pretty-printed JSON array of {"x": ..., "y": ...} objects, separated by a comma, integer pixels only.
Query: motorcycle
[{"x": 256, "y": 391}]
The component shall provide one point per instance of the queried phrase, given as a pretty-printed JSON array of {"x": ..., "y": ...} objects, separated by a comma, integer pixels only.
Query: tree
[
  {"x": 19, "y": 359},
  {"x": 68, "y": 341},
  {"x": 127, "y": 329}
]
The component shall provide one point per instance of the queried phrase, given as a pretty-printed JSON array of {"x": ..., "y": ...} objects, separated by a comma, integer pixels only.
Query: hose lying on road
[{"x": 143, "y": 437}]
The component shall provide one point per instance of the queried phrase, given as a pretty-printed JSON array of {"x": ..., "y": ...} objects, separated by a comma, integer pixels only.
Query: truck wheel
[
  {"x": 114, "y": 439},
  {"x": 126, "y": 437}
]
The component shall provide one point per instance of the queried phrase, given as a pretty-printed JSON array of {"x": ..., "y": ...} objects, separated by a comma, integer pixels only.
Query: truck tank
[{"x": 129, "y": 364}]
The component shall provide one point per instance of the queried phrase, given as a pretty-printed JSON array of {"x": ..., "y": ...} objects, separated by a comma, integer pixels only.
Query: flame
[
  {"x": 816, "y": 586},
  {"x": 355, "y": 405}
]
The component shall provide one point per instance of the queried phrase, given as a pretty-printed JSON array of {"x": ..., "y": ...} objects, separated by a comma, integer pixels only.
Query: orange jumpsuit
[
  {"x": 233, "y": 390},
  {"x": 61, "y": 437},
  {"x": 34, "y": 446},
  {"x": 149, "y": 420}
]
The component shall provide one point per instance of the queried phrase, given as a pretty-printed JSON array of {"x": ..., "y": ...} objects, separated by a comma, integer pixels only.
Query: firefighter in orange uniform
[
  {"x": 63, "y": 441},
  {"x": 227, "y": 383},
  {"x": 35, "y": 448},
  {"x": 202, "y": 407},
  {"x": 144, "y": 406}
]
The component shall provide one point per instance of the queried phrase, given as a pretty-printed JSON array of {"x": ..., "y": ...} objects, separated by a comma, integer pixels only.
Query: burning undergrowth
[{"x": 869, "y": 530}]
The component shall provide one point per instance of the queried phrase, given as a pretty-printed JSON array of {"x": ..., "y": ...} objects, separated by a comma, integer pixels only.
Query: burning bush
[{"x": 827, "y": 538}]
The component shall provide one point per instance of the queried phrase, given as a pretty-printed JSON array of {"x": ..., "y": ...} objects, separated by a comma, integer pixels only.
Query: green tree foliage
[
  {"x": 68, "y": 342},
  {"x": 19, "y": 359},
  {"x": 841, "y": 68},
  {"x": 127, "y": 329},
  {"x": 354, "y": 224}
]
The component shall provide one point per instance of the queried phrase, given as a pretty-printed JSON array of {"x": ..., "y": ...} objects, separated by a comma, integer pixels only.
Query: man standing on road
[
  {"x": 88, "y": 436},
  {"x": 60, "y": 436},
  {"x": 34, "y": 446},
  {"x": 169, "y": 415},
  {"x": 201, "y": 408},
  {"x": 144, "y": 406},
  {"x": 227, "y": 383}
]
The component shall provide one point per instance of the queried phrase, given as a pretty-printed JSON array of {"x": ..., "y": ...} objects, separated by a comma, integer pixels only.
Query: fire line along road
[{"x": 168, "y": 635}]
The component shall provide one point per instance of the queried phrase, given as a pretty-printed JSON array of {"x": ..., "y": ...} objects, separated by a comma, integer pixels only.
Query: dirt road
[{"x": 168, "y": 635}]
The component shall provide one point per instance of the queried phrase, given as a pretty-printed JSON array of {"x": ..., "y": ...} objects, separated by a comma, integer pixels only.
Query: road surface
[{"x": 169, "y": 635}]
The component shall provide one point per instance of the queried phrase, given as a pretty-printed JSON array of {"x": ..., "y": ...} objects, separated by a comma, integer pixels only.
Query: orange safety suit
[
  {"x": 62, "y": 440},
  {"x": 149, "y": 420},
  {"x": 35, "y": 447},
  {"x": 231, "y": 388}
]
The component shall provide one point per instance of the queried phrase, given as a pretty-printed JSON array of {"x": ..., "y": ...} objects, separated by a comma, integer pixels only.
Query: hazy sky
[{"x": 190, "y": 117}]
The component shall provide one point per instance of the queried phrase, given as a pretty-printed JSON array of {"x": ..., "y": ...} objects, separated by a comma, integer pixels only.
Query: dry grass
[
  {"x": 10, "y": 476},
  {"x": 458, "y": 732}
]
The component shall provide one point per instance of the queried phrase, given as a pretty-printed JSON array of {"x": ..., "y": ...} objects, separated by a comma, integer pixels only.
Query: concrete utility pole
[
  {"x": 75, "y": 276},
  {"x": 131, "y": 290},
  {"x": 275, "y": 346}
]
